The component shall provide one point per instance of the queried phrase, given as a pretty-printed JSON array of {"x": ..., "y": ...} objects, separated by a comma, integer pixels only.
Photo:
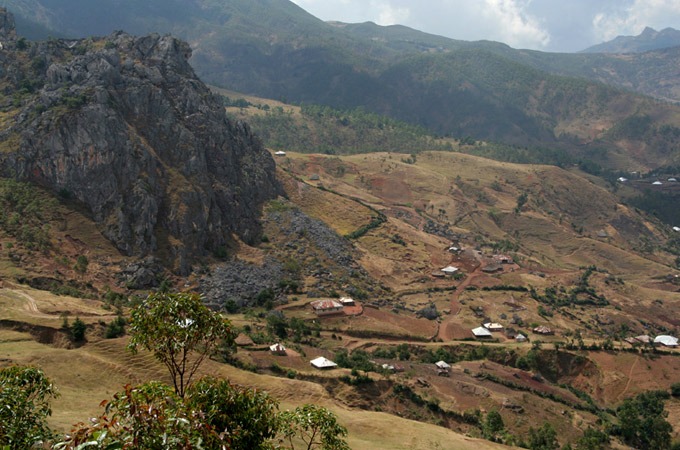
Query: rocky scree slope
[{"x": 123, "y": 126}]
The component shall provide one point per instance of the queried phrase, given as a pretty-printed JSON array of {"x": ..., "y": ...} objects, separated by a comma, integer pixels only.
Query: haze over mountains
[{"x": 649, "y": 39}]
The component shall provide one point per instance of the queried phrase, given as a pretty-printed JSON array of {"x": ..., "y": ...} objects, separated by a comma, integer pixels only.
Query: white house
[
  {"x": 280, "y": 153},
  {"x": 450, "y": 270},
  {"x": 657, "y": 183},
  {"x": 676, "y": 228},
  {"x": 493, "y": 326},
  {"x": 622, "y": 179},
  {"x": 277, "y": 349},
  {"x": 326, "y": 307},
  {"x": 666, "y": 340},
  {"x": 520, "y": 338},
  {"x": 672, "y": 179},
  {"x": 442, "y": 365},
  {"x": 347, "y": 301},
  {"x": 323, "y": 363},
  {"x": 543, "y": 330},
  {"x": 481, "y": 332}
]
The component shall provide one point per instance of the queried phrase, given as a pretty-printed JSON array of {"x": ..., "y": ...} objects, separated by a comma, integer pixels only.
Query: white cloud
[
  {"x": 382, "y": 12},
  {"x": 390, "y": 15},
  {"x": 635, "y": 16},
  {"x": 515, "y": 26},
  {"x": 560, "y": 25}
]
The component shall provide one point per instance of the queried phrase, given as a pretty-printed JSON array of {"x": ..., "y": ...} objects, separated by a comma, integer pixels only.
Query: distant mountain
[
  {"x": 486, "y": 90},
  {"x": 649, "y": 39}
]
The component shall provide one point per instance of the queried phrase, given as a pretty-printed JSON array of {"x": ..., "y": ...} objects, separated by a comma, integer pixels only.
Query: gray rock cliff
[{"x": 123, "y": 125}]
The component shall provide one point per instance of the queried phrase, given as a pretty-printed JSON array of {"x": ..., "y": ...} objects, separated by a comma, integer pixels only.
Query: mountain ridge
[
  {"x": 275, "y": 49},
  {"x": 649, "y": 39}
]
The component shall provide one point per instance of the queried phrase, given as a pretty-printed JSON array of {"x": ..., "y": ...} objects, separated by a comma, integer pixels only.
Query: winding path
[{"x": 630, "y": 376}]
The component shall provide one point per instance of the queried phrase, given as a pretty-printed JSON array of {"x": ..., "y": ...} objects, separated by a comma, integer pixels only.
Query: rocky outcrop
[
  {"x": 123, "y": 126},
  {"x": 7, "y": 26}
]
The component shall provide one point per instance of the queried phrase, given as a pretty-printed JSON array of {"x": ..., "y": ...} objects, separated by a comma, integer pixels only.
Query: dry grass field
[{"x": 96, "y": 370}]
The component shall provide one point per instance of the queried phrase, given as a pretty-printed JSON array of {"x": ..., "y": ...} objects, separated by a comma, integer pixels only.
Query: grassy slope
[{"x": 79, "y": 376}]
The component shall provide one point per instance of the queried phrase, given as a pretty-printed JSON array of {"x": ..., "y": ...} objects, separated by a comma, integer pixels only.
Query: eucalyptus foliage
[
  {"x": 25, "y": 394},
  {"x": 214, "y": 414},
  {"x": 180, "y": 331}
]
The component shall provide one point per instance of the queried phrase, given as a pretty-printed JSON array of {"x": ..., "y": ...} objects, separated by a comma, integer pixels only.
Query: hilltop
[
  {"x": 649, "y": 39},
  {"x": 131, "y": 114}
]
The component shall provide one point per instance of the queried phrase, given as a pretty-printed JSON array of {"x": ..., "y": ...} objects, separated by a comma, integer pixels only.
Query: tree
[
  {"x": 642, "y": 421},
  {"x": 315, "y": 426},
  {"x": 81, "y": 264},
  {"x": 544, "y": 438},
  {"x": 180, "y": 331},
  {"x": 493, "y": 425},
  {"x": 25, "y": 394},
  {"x": 277, "y": 325},
  {"x": 246, "y": 417},
  {"x": 675, "y": 389},
  {"x": 213, "y": 414},
  {"x": 78, "y": 330},
  {"x": 592, "y": 439},
  {"x": 521, "y": 201}
]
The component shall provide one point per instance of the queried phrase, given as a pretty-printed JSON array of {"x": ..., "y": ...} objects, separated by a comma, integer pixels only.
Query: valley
[
  {"x": 570, "y": 378},
  {"x": 487, "y": 265}
]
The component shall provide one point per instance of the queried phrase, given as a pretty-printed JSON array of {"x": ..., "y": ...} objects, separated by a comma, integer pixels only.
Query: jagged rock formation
[
  {"x": 122, "y": 125},
  {"x": 7, "y": 26}
]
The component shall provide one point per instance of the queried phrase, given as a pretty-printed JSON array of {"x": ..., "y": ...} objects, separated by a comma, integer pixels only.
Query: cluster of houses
[
  {"x": 661, "y": 340},
  {"x": 488, "y": 328},
  {"x": 654, "y": 183}
]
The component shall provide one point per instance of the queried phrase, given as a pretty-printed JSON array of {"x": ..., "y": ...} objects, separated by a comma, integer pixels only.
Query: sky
[{"x": 546, "y": 25}]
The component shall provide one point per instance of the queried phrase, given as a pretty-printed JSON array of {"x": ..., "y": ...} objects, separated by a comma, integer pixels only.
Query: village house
[
  {"x": 449, "y": 270},
  {"x": 492, "y": 268},
  {"x": 277, "y": 349},
  {"x": 481, "y": 333},
  {"x": 493, "y": 326},
  {"x": 323, "y": 363},
  {"x": 502, "y": 259},
  {"x": 326, "y": 307},
  {"x": 666, "y": 341},
  {"x": 637, "y": 340},
  {"x": 543, "y": 330},
  {"x": 243, "y": 340},
  {"x": 347, "y": 301},
  {"x": 520, "y": 338},
  {"x": 442, "y": 365},
  {"x": 280, "y": 153}
]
